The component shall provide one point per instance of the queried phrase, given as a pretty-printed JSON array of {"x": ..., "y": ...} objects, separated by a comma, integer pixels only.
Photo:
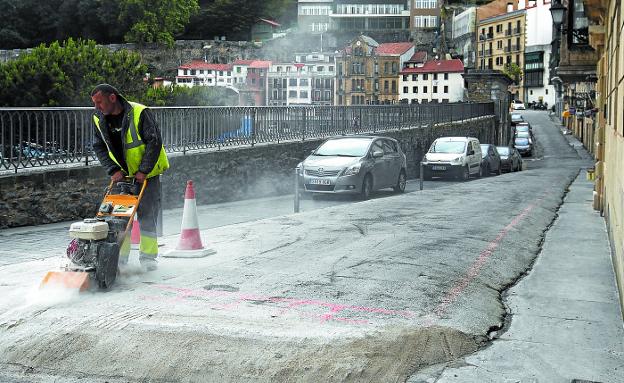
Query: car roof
[
  {"x": 359, "y": 137},
  {"x": 455, "y": 138}
]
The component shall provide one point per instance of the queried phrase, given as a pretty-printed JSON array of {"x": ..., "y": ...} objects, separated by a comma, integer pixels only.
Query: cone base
[{"x": 200, "y": 253}]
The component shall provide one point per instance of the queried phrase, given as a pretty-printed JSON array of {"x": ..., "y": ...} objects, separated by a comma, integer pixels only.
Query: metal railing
[{"x": 36, "y": 137}]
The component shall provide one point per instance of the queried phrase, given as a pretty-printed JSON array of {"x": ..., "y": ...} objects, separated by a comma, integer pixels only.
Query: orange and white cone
[
  {"x": 135, "y": 234},
  {"x": 190, "y": 243}
]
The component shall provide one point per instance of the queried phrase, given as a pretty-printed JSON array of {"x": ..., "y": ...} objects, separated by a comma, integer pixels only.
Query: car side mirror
[{"x": 377, "y": 154}]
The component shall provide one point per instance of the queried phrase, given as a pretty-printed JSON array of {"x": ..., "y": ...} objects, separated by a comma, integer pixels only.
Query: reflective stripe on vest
[{"x": 134, "y": 147}]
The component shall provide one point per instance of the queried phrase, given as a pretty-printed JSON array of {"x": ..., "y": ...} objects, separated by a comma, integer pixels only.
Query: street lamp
[{"x": 557, "y": 10}]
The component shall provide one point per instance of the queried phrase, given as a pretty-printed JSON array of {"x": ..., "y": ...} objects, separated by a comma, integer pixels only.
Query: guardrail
[{"x": 35, "y": 137}]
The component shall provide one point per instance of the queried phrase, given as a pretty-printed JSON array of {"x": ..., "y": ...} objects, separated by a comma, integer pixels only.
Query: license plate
[
  {"x": 318, "y": 181},
  {"x": 438, "y": 167}
]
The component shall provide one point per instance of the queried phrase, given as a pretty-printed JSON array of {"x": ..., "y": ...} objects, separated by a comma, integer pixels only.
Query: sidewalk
[{"x": 565, "y": 319}]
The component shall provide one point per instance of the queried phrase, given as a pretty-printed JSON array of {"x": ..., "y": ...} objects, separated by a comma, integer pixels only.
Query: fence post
[{"x": 296, "y": 202}]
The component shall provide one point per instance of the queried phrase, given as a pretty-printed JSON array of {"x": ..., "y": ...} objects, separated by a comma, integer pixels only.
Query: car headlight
[
  {"x": 456, "y": 161},
  {"x": 352, "y": 170}
]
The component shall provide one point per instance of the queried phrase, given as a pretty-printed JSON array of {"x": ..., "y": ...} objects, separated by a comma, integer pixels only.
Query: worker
[{"x": 128, "y": 143}]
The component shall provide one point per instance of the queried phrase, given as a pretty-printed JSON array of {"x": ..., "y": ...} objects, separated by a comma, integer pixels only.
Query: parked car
[
  {"x": 523, "y": 145},
  {"x": 524, "y": 135},
  {"x": 524, "y": 127},
  {"x": 516, "y": 118},
  {"x": 490, "y": 160},
  {"x": 511, "y": 161},
  {"x": 453, "y": 156},
  {"x": 518, "y": 105},
  {"x": 354, "y": 165}
]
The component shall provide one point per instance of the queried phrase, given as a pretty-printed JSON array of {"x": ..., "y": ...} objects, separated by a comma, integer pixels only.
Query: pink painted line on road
[
  {"x": 475, "y": 269},
  {"x": 291, "y": 304}
]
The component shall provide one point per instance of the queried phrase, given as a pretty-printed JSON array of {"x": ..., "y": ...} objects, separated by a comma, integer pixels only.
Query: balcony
[
  {"x": 508, "y": 32},
  {"x": 487, "y": 52},
  {"x": 507, "y": 49},
  {"x": 517, "y": 31},
  {"x": 515, "y": 48}
]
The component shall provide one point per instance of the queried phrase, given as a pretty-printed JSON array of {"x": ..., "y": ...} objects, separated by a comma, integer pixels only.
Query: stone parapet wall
[{"x": 221, "y": 175}]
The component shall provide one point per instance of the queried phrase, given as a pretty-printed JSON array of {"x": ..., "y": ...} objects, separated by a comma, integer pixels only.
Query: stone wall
[{"x": 231, "y": 174}]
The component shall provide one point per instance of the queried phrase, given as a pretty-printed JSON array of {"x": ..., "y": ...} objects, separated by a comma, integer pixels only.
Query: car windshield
[
  {"x": 522, "y": 141},
  {"x": 448, "y": 147},
  {"x": 503, "y": 150},
  {"x": 347, "y": 147},
  {"x": 522, "y": 128},
  {"x": 522, "y": 134}
]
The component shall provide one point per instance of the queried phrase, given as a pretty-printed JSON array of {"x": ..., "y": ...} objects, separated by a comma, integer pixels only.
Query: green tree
[
  {"x": 513, "y": 71},
  {"x": 224, "y": 17},
  {"x": 63, "y": 74},
  {"x": 155, "y": 21}
]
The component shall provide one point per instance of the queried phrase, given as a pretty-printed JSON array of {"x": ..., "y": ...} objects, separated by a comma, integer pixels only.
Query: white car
[
  {"x": 518, "y": 105},
  {"x": 453, "y": 156}
]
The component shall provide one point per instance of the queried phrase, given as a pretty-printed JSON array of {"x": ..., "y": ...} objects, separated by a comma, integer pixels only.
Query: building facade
[
  {"x": 501, "y": 42},
  {"x": 323, "y": 74},
  {"x": 463, "y": 36},
  {"x": 254, "y": 93},
  {"x": 201, "y": 73},
  {"x": 537, "y": 53},
  {"x": 438, "y": 81},
  {"x": 368, "y": 72},
  {"x": 313, "y": 15},
  {"x": 289, "y": 84}
]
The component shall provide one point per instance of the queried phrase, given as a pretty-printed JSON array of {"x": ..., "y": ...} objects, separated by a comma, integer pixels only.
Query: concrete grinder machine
[{"x": 98, "y": 243}]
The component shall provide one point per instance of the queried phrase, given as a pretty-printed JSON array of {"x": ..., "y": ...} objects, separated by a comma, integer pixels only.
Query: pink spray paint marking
[
  {"x": 291, "y": 304},
  {"x": 474, "y": 270}
]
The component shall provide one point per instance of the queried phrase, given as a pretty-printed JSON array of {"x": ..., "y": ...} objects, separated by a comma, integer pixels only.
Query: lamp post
[{"x": 557, "y": 11}]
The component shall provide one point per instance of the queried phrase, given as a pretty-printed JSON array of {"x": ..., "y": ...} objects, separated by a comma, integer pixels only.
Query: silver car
[{"x": 354, "y": 165}]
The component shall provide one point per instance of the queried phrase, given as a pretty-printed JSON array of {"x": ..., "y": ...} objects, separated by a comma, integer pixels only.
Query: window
[
  {"x": 404, "y": 77},
  {"x": 405, "y": 89},
  {"x": 386, "y": 85},
  {"x": 292, "y": 94},
  {"x": 303, "y": 94},
  {"x": 425, "y": 76},
  {"x": 446, "y": 75},
  {"x": 415, "y": 89},
  {"x": 579, "y": 22},
  {"x": 292, "y": 82},
  {"x": 414, "y": 77},
  {"x": 424, "y": 89},
  {"x": 303, "y": 82},
  {"x": 435, "y": 76},
  {"x": 394, "y": 86},
  {"x": 386, "y": 67},
  {"x": 445, "y": 88},
  {"x": 435, "y": 89},
  {"x": 394, "y": 68}
]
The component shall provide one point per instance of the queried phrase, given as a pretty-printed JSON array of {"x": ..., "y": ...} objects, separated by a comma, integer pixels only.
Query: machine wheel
[
  {"x": 106, "y": 265},
  {"x": 367, "y": 187},
  {"x": 401, "y": 182}
]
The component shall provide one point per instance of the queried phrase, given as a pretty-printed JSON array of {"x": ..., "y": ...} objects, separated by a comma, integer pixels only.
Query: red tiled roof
[
  {"x": 273, "y": 23},
  {"x": 437, "y": 66},
  {"x": 418, "y": 57},
  {"x": 200, "y": 64},
  {"x": 242, "y": 62},
  {"x": 393, "y": 48},
  {"x": 260, "y": 64}
]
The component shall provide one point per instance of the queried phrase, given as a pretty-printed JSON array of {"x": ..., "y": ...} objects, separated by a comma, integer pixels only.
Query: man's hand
[
  {"x": 117, "y": 176},
  {"x": 140, "y": 177}
]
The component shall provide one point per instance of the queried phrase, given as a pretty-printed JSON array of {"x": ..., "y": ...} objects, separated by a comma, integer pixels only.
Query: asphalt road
[{"x": 366, "y": 291}]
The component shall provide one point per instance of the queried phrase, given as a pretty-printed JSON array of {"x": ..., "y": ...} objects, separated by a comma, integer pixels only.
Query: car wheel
[
  {"x": 367, "y": 187},
  {"x": 401, "y": 182},
  {"x": 466, "y": 174},
  {"x": 480, "y": 172}
]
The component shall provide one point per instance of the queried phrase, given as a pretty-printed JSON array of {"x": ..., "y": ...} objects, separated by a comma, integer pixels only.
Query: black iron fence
[{"x": 34, "y": 137}]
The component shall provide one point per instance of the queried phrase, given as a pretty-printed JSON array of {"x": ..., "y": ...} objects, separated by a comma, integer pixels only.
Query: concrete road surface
[{"x": 368, "y": 291}]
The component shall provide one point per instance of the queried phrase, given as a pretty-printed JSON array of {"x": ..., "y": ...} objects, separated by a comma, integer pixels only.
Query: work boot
[{"x": 148, "y": 263}]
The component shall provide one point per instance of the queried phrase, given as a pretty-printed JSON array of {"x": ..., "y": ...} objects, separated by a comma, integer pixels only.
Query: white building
[
  {"x": 313, "y": 15},
  {"x": 537, "y": 51},
  {"x": 463, "y": 40},
  {"x": 322, "y": 68},
  {"x": 201, "y": 73},
  {"x": 289, "y": 84},
  {"x": 239, "y": 72},
  {"x": 433, "y": 81}
]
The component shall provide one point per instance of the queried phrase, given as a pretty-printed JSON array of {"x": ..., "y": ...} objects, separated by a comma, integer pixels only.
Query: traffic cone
[
  {"x": 190, "y": 243},
  {"x": 135, "y": 234}
]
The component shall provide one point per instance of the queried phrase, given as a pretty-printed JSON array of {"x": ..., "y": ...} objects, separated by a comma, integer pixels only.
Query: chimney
[{"x": 510, "y": 7}]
